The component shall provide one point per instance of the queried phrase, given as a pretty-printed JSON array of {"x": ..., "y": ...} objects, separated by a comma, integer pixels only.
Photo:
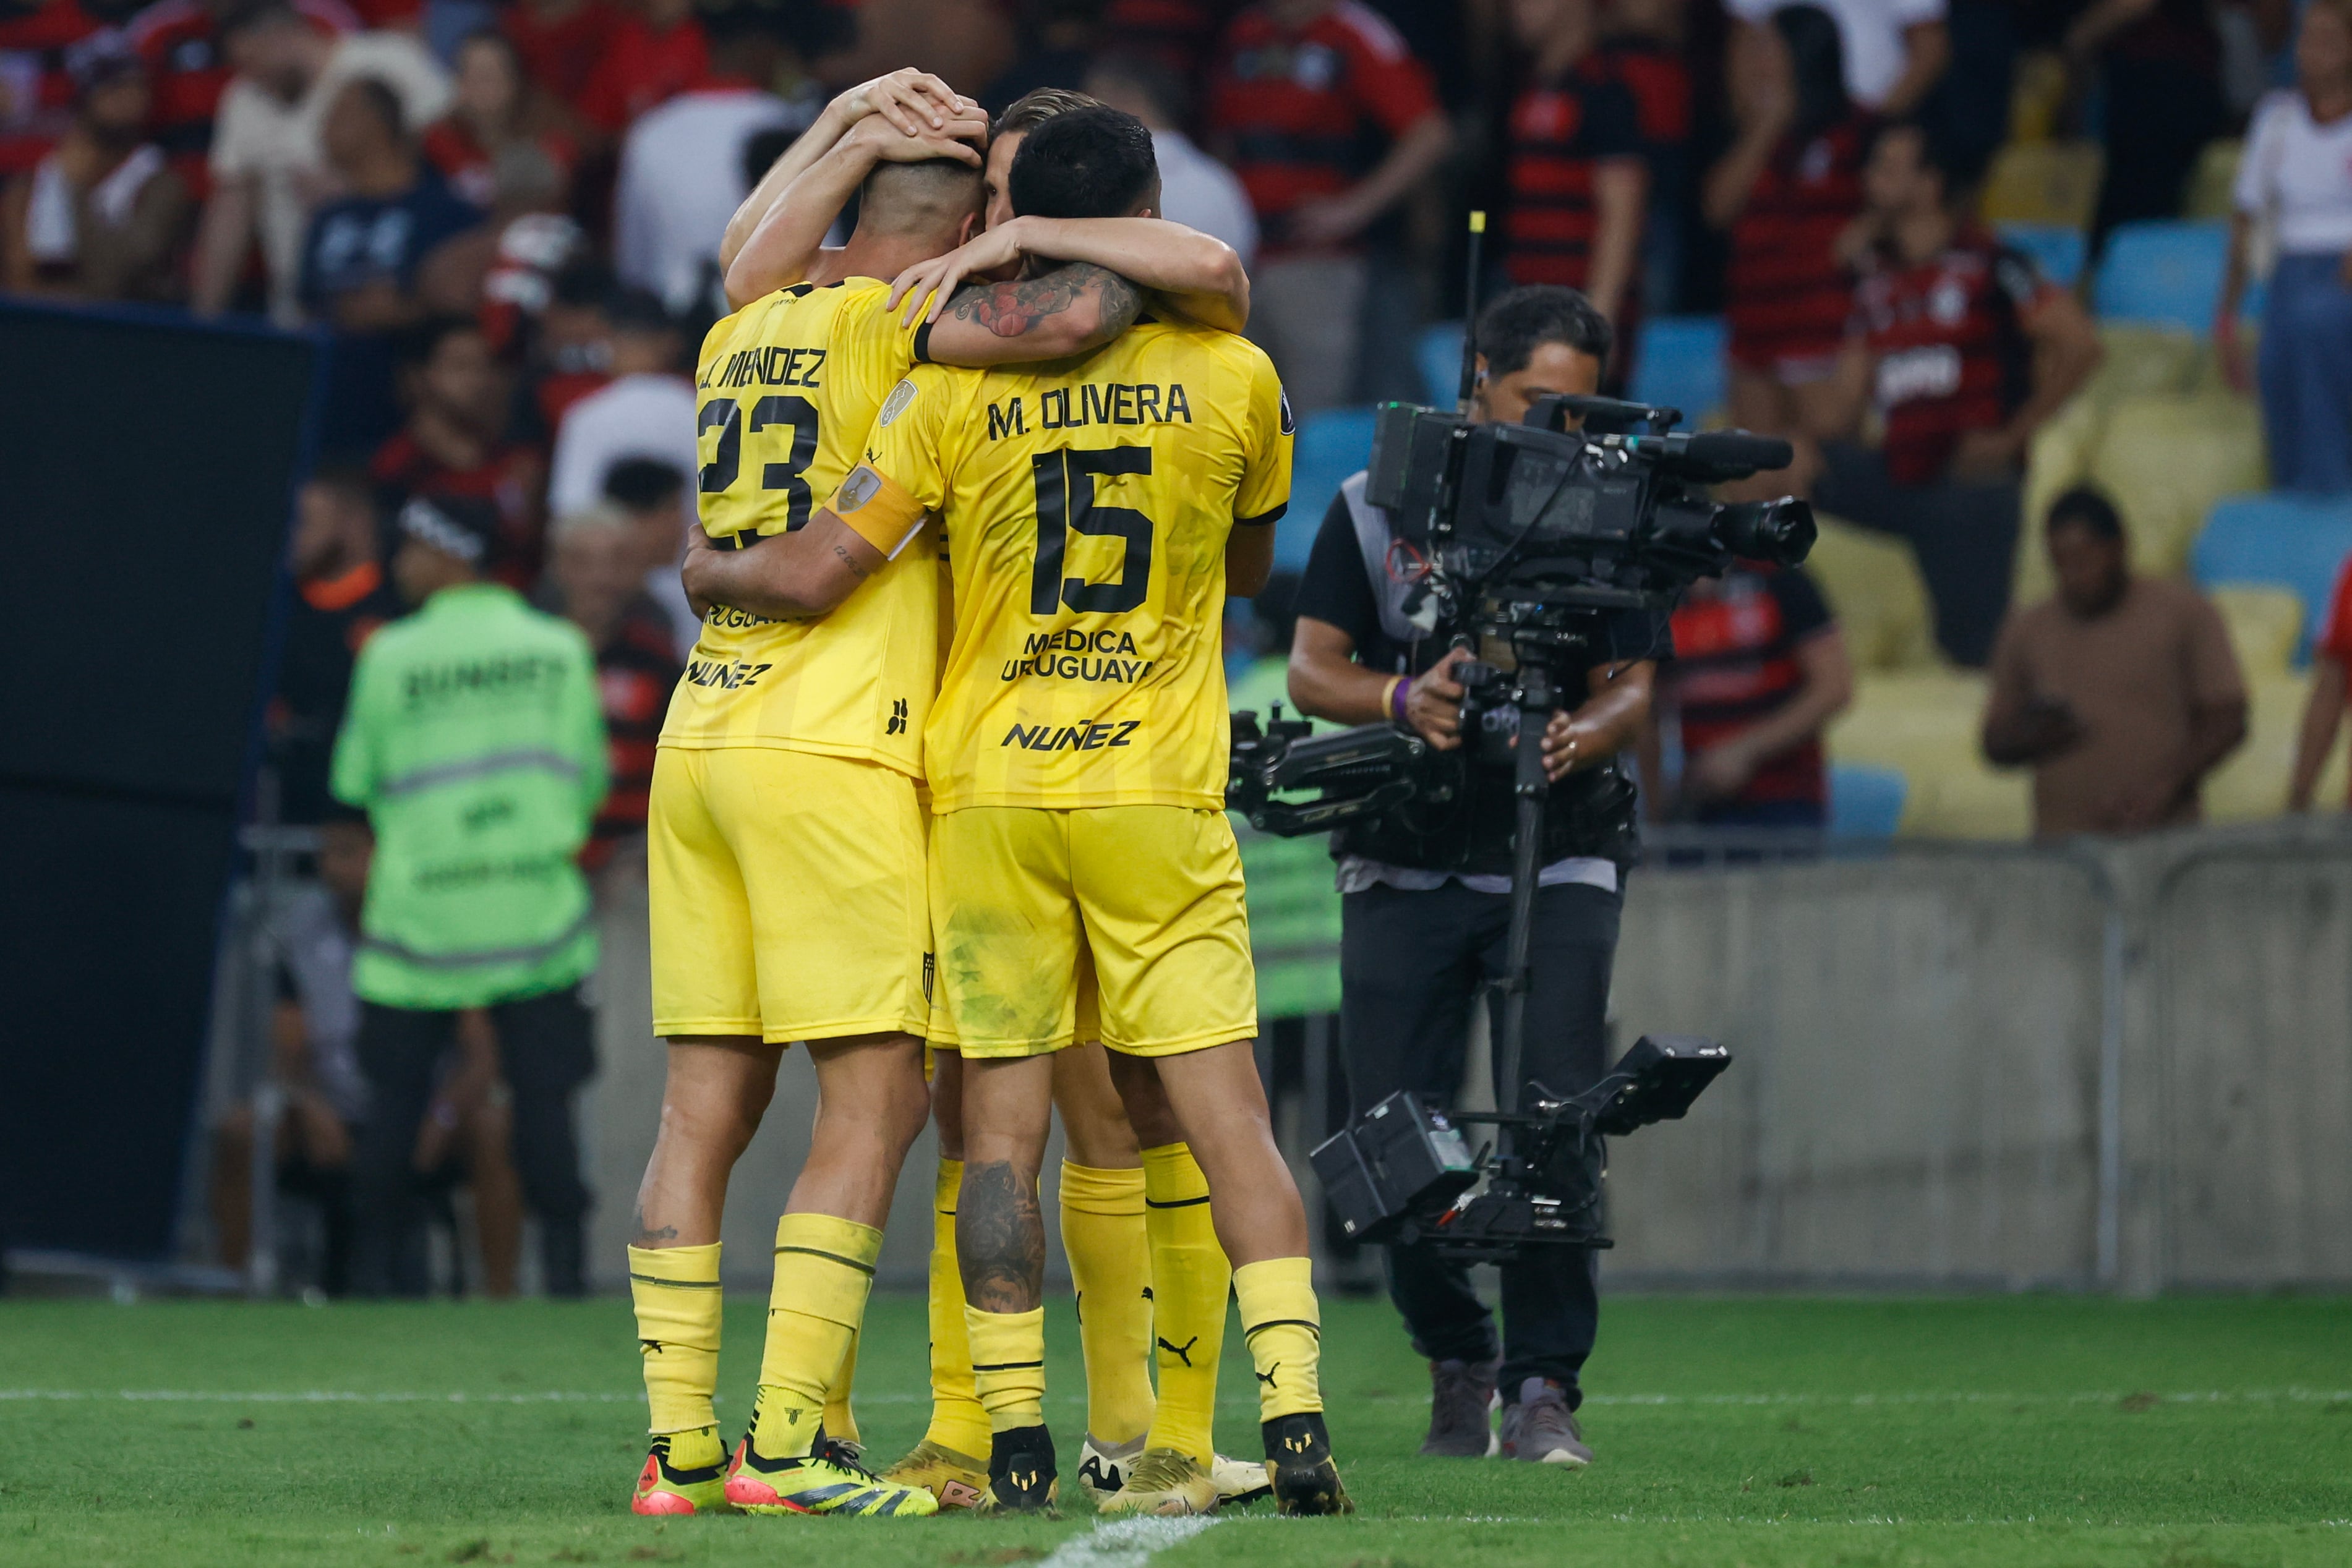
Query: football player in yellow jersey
[
  {"x": 786, "y": 853},
  {"x": 1095, "y": 510},
  {"x": 1151, "y": 1281}
]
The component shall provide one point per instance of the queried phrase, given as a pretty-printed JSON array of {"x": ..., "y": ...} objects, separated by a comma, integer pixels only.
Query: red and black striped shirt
[
  {"x": 636, "y": 673},
  {"x": 1950, "y": 344},
  {"x": 1559, "y": 131},
  {"x": 1736, "y": 662},
  {"x": 1786, "y": 293}
]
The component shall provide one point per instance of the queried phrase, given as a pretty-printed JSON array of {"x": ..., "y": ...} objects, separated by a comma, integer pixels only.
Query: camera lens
[{"x": 1782, "y": 531}]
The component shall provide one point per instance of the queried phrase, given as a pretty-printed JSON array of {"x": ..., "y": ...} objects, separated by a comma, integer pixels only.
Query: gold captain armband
[{"x": 877, "y": 510}]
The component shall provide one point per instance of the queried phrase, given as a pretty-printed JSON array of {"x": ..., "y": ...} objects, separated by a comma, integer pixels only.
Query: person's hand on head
[
  {"x": 959, "y": 138},
  {"x": 1434, "y": 705},
  {"x": 910, "y": 100}
]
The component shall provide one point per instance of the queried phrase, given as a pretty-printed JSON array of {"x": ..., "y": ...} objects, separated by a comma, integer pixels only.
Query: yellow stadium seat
[
  {"x": 2252, "y": 783},
  {"x": 2142, "y": 362},
  {"x": 2037, "y": 95},
  {"x": 1924, "y": 723},
  {"x": 2212, "y": 183},
  {"x": 2266, "y": 624},
  {"x": 1873, "y": 584},
  {"x": 2165, "y": 460},
  {"x": 2043, "y": 183}
]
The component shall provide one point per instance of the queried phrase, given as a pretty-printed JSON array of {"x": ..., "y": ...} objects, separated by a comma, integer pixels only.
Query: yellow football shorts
[
  {"x": 787, "y": 895},
  {"x": 1150, "y": 894}
]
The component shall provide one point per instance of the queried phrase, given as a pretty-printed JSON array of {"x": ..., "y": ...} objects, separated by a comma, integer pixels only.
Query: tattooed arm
[
  {"x": 795, "y": 576},
  {"x": 1069, "y": 311}
]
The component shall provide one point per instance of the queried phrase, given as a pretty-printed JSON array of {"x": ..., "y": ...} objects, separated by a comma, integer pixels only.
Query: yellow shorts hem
[
  {"x": 1010, "y": 1050},
  {"x": 672, "y": 1029},
  {"x": 1199, "y": 1039},
  {"x": 842, "y": 1028}
]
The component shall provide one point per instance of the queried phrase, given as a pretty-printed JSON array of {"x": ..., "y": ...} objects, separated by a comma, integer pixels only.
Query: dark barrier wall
[{"x": 146, "y": 471}]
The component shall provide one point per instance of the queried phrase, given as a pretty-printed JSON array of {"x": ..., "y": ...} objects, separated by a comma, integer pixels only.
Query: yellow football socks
[
  {"x": 1285, "y": 1330},
  {"x": 1103, "y": 1231},
  {"x": 840, "y": 1420},
  {"x": 825, "y": 1268},
  {"x": 1190, "y": 1278},
  {"x": 1008, "y": 1367},
  {"x": 958, "y": 1419},
  {"x": 678, "y": 1304}
]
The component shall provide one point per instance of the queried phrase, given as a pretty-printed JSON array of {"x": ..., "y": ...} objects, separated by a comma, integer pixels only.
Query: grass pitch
[{"x": 2017, "y": 1432}]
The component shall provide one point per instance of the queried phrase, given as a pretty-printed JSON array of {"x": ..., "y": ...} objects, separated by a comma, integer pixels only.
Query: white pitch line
[{"x": 1124, "y": 1543}]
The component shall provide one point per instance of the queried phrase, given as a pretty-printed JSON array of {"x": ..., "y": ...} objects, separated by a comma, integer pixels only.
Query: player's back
[
  {"x": 1087, "y": 504},
  {"x": 786, "y": 388}
]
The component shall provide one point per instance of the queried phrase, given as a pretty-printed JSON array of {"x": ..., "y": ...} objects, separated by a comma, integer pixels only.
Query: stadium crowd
[{"x": 1906, "y": 234}]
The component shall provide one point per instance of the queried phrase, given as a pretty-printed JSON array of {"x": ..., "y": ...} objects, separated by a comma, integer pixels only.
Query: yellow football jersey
[
  {"x": 788, "y": 387},
  {"x": 1086, "y": 504}
]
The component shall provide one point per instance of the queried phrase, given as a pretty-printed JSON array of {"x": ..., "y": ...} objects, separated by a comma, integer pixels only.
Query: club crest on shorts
[{"x": 896, "y": 404}]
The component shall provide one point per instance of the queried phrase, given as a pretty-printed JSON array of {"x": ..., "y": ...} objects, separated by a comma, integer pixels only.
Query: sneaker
[
  {"x": 1021, "y": 1475},
  {"x": 664, "y": 1488},
  {"x": 1166, "y": 1482},
  {"x": 1103, "y": 1467},
  {"x": 956, "y": 1479},
  {"x": 1539, "y": 1428},
  {"x": 1298, "y": 1463},
  {"x": 1239, "y": 1482},
  {"x": 827, "y": 1479},
  {"x": 1461, "y": 1411}
]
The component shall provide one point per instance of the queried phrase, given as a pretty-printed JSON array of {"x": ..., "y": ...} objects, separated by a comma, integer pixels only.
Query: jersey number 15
[{"x": 1064, "y": 481}]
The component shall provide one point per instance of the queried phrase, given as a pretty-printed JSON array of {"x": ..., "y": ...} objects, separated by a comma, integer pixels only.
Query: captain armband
[{"x": 877, "y": 509}]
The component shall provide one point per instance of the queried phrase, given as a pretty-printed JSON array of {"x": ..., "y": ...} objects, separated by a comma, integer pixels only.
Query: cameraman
[{"x": 1425, "y": 915}]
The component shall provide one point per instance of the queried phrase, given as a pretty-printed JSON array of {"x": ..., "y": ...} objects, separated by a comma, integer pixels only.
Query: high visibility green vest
[{"x": 475, "y": 740}]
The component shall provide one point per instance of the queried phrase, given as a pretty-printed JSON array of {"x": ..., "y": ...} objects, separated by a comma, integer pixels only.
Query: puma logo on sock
[{"x": 1181, "y": 1352}]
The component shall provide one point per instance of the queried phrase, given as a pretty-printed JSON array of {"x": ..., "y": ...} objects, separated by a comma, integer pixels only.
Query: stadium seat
[
  {"x": 2265, "y": 625},
  {"x": 2251, "y": 782},
  {"x": 2212, "y": 184},
  {"x": 1438, "y": 352},
  {"x": 1679, "y": 364},
  {"x": 1330, "y": 446},
  {"x": 1865, "y": 802},
  {"x": 2044, "y": 183},
  {"x": 1923, "y": 724},
  {"x": 2298, "y": 543},
  {"x": 1873, "y": 584},
  {"x": 2165, "y": 460},
  {"x": 2168, "y": 274},
  {"x": 2058, "y": 249}
]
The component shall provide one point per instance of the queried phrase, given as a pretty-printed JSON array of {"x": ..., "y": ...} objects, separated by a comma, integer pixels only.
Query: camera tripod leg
[{"x": 1531, "y": 790}]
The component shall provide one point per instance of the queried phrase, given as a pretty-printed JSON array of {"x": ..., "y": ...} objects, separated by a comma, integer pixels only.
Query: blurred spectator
[
  {"x": 1642, "y": 48},
  {"x": 102, "y": 217},
  {"x": 454, "y": 442},
  {"x": 1195, "y": 190},
  {"x": 2331, "y": 656},
  {"x": 682, "y": 166},
  {"x": 1895, "y": 50},
  {"x": 646, "y": 410},
  {"x": 503, "y": 270},
  {"x": 1057, "y": 43},
  {"x": 361, "y": 259},
  {"x": 1760, "y": 669},
  {"x": 39, "y": 41},
  {"x": 1181, "y": 35},
  {"x": 190, "y": 67},
  {"x": 570, "y": 353},
  {"x": 655, "y": 50},
  {"x": 340, "y": 597},
  {"x": 2294, "y": 188},
  {"x": 652, "y": 495},
  {"x": 313, "y": 1039},
  {"x": 488, "y": 112},
  {"x": 561, "y": 43},
  {"x": 2121, "y": 691},
  {"x": 2159, "y": 72},
  {"x": 1788, "y": 190},
  {"x": 1301, "y": 87},
  {"x": 1966, "y": 350},
  {"x": 269, "y": 160},
  {"x": 1577, "y": 182},
  {"x": 474, "y": 743},
  {"x": 595, "y": 567}
]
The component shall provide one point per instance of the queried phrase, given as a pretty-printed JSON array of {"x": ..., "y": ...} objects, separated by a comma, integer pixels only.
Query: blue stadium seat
[
  {"x": 2167, "y": 274},
  {"x": 1438, "y": 352},
  {"x": 1330, "y": 446},
  {"x": 2298, "y": 542},
  {"x": 1865, "y": 802},
  {"x": 2057, "y": 249},
  {"x": 1680, "y": 365}
]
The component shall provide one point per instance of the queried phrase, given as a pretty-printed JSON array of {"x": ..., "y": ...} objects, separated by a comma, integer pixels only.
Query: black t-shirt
[{"x": 1336, "y": 589}]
